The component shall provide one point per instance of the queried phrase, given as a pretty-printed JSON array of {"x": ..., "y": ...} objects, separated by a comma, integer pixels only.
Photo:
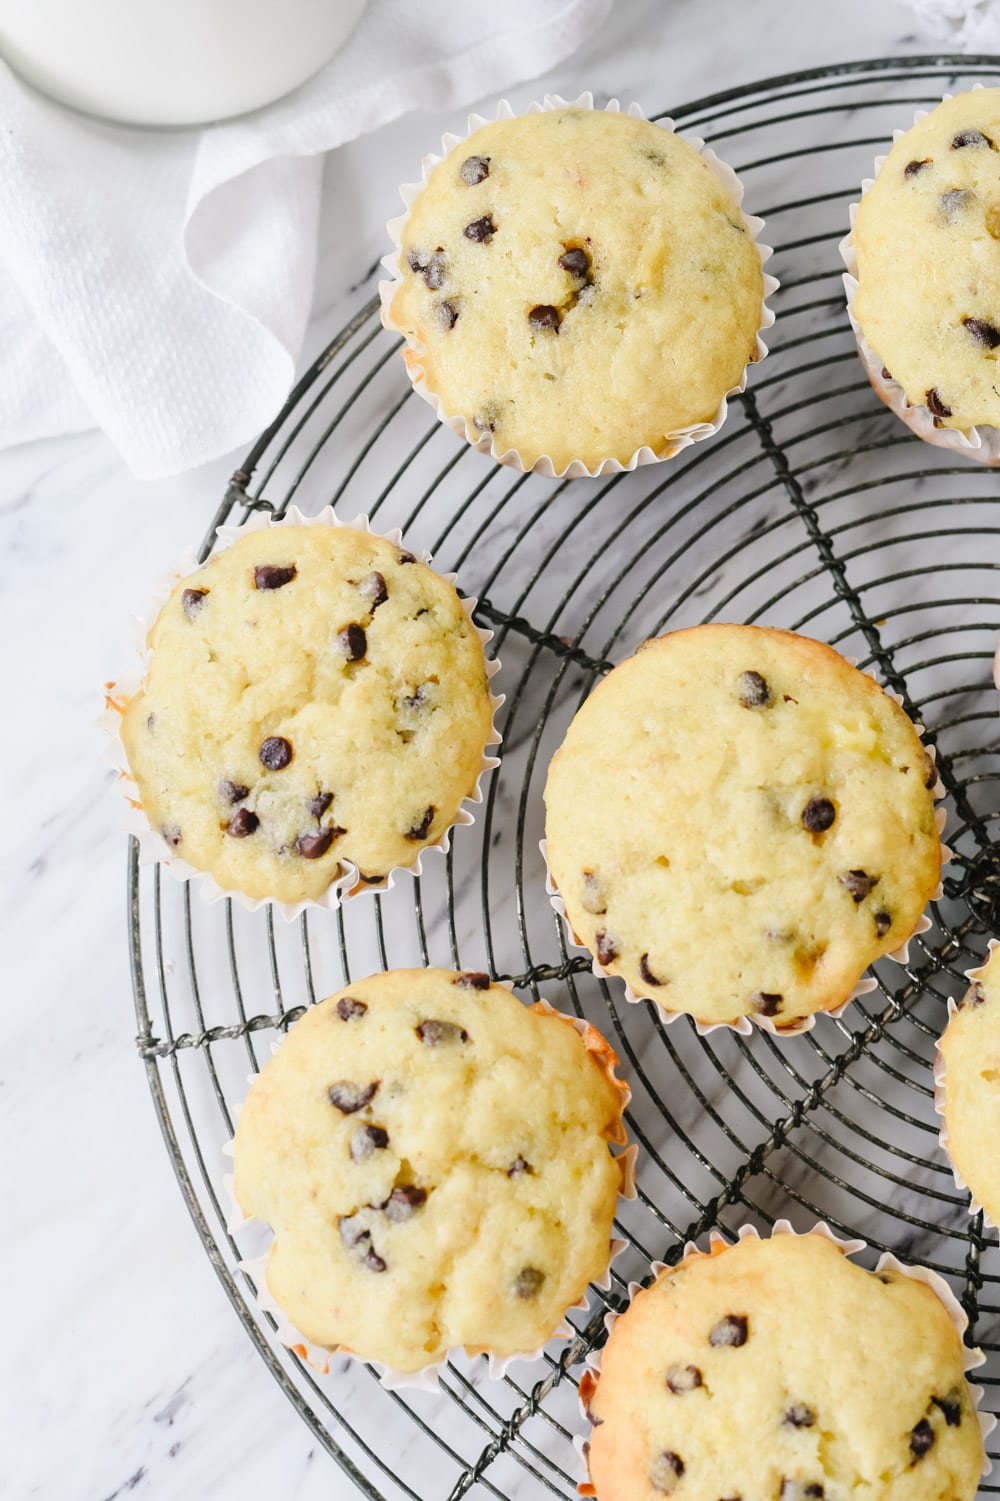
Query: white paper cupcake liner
[
  {"x": 153, "y": 848},
  {"x": 979, "y": 443},
  {"x": 975, "y": 1207},
  {"x": 972, "y": 1359},
  {"x": 673, "y": 443},
  {"x": 319, "y": 1358}
]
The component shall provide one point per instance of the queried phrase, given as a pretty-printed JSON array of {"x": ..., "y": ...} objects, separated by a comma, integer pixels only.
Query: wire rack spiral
[{"x": 814, "y": 510}]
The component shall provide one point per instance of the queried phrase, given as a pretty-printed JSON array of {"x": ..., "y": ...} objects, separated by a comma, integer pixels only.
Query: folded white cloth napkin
[
  {"x": 158, "y": 285},
  {"x": 969, "y": 25}
]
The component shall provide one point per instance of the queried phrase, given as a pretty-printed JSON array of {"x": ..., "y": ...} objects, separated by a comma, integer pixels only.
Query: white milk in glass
[{"x": 171, "y": 62}]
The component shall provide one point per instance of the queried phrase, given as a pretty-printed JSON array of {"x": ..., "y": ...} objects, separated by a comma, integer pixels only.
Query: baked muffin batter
[
  {"x": 314, "y": 695},
  {"x": 434, "y": 1160},
  {"x": 739, "y": 823},
  {"x": 779, "y": 1370},
  {"x": 970, "y": 1048},
  {"x": 579, "y": 283},
  {"x": 927, "y": 236}
]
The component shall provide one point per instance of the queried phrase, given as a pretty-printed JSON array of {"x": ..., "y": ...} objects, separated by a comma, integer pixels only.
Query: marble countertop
[{"x": 126, "y": 1371}]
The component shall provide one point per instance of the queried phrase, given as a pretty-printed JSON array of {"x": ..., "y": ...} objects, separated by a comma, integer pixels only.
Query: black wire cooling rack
[{"x": 815, "y": 510}]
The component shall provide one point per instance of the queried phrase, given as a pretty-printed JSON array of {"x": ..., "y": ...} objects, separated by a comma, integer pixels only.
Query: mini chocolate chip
[
  {"x": 984, "y": 333},
  {"x": 313, "y": 846},
  {"x": 732, "y": 1330},
  {"x": 576, "y": 262},
  {"x": 403, "y": 1202},
  {"x": 352, "y": 1231},
  {"x": 607, "y": 947},
  {"x": 883, "y": 922},
  {"x": 275, "y": 753},
  {"x": 930, "y": 770},
  {"x": 373, "y": 1261},
  {"x": 348, "y": 1008},
  {"x": 754, "y": 692},
  {"x": 799, "y": 1415},
  {"x": 912, "y": 168},
  {"x": 955, "y": 201},
  {"x": 951, "y": 1406},
  {"x": 421, "y": 829},
  {"x": 472, "y": 979},
  {"x": 318, "y": 805},
  {"x": 353, "y": 642},
  {"x": 487, "y": 419},
  {"x": 665, "y": 1471},
  {"x": 233, "y": 792},
  {"x": 480, "y": 231},
  {"x": 406, "y": 557},
  {"x": 366, "y": 1141},
  {"x": 528, "y": 1282},
  {"x": 818, "y": 814},
  {"x": 273, "y": 575},
  {"x": 765, "y": 1003},
  {"x": 416, "y": 700},
  {"x": 683, "y": 1378},
  {"x": 797, "y": 1490},
  {"x": 921, "y": 1439},
  {"x": 593, "y": 899},
  {"x": 974, "y": 996},
  {"x": 859, "y": 884},
  {"x": 447, "y": 315},
  {"x": 475, "y": 169},
  {"x": 350, "y": 1097},
  {"x": 171, "y": 833},
  {"x": 435, "y": 271},
  {"x": 433, "y": 1033},
  {"x": 372, "y": 586},
  {"x": 971, "y": 138},
  {"x": 519, "y": 1167},
  {"x": 192, "y": 601},
  {"x": 886, "y": 374},
  {"x": 647, "y": 973},
  {"x": 242, "y": 823},
  {"x": 935, "y": 404},
  {"x": 543, "y": 317}
]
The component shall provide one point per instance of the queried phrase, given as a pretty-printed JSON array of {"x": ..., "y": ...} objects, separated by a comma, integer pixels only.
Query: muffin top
[
  {"x": 434, "y": 1160},
  {"x": 927, "y": 237},
  {"x": 314, "y": 695},
  {"x": 579, "y": 283},
  {"x": 970, "y": 1048},
  {"x": 739, "y": 823},
  {"x": 779, "y": 1369}
]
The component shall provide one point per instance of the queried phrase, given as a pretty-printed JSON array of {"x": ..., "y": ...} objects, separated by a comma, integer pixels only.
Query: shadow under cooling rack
[{"x": 814, "y": 510}]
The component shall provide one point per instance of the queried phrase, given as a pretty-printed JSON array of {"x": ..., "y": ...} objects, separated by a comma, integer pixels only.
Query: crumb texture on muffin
[
  {"x": 927, "y": 239},
  {"x": 314, "y": 695},
  {"x": 579, "y": 284},
  {"x": 780, "y": 1369},
  {"x": 970, "y": 1048},
  {"x": 434, "y": 1159},
  {"x": 739, "y": 823}
]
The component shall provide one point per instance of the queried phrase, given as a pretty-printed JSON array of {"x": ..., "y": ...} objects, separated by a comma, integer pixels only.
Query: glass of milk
[{"x": 171, "y": 62}]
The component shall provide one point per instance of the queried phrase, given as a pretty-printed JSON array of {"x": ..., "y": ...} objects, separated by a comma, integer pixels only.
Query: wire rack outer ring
[{"x": 810, "y": 1145}]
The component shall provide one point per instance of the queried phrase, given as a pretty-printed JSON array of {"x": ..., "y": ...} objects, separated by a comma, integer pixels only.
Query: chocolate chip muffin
[
  {"x": 739, "y": 823},
  {"x": 781, "y": 1369},
  {"x": 926, "y": 241},
  {"x": 434, "y": 1159},
  {"x": 314, "y": 697},
  {"x": 970, "y": 1097},
  {"x": 577, "y": 284}
]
